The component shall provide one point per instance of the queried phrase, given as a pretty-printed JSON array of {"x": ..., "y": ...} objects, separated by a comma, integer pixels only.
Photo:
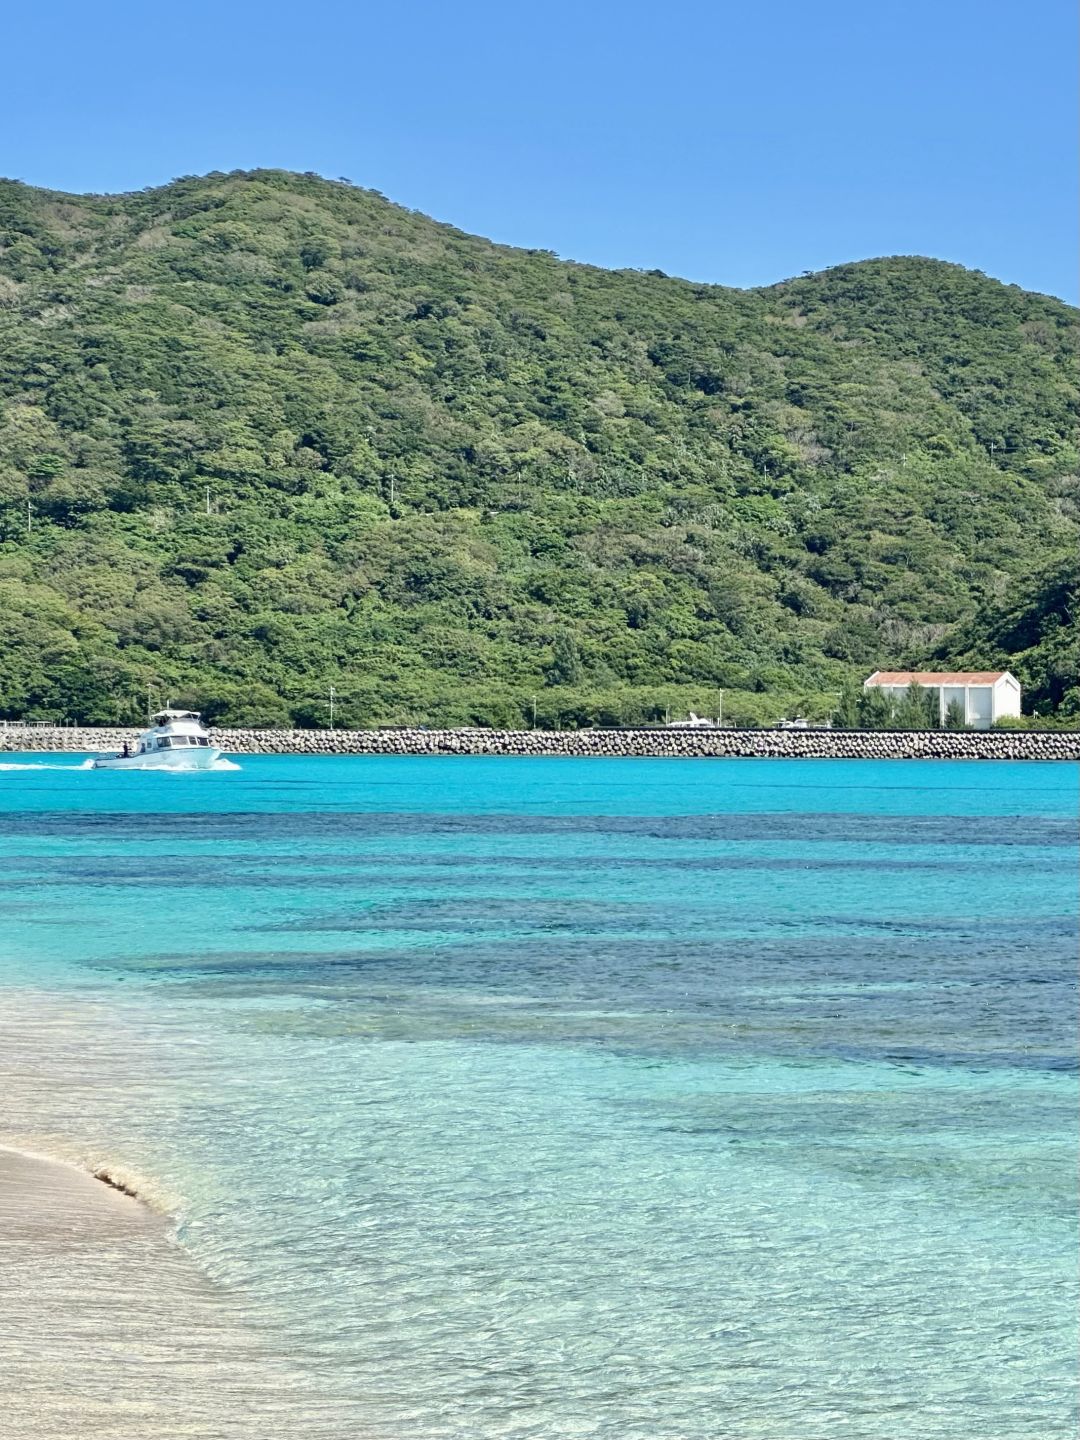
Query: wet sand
[{"x": 108, "y": 1329}]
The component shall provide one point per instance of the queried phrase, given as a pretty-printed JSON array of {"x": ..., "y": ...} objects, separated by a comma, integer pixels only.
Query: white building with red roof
[{"x": 984, "y": 695}]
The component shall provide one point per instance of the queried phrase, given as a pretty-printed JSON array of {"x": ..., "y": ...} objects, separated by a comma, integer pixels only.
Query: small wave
[
  {"x": 136, "y": 1186},
  {"x": 223, "y": 764},
  {"x": 117, "y": 1182}
]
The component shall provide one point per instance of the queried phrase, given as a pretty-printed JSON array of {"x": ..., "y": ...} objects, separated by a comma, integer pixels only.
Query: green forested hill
[{"x": 262, "y": 433}]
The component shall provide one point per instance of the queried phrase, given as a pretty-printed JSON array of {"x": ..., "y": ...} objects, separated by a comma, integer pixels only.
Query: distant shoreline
[{"x": 654, "y": 743}]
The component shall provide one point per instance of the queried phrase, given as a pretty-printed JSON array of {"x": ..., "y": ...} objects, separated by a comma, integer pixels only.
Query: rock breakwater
[{"x": 629, "y": 743}]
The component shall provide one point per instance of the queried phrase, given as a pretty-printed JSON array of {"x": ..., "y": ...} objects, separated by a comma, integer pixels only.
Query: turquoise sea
[{"x": 643, "y": 1100}]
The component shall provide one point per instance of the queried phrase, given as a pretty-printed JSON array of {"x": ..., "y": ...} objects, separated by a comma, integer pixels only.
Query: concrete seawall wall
[{"x": 674, "y": 744}]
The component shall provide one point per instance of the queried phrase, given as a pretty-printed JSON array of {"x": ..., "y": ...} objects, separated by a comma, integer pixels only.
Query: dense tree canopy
[
  {"x": 262, "y": 433},
  {"x": 1034, "y": 633}
]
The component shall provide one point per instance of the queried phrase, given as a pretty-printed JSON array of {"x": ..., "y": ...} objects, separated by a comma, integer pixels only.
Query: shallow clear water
[{"x": 658, "y": 1099}]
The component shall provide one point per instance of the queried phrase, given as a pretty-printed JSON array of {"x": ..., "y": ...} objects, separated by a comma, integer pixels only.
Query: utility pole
[
  {"x": 720, "y": 713},
  {"x": 534, "y": 711},
  {"x": 149, "y": 701},
  {"x": 29, "y": 513},
  {"x": 393, "y": 491},
  {"x": 331, "y": 707},
  {"x": 208, "y": 499}
]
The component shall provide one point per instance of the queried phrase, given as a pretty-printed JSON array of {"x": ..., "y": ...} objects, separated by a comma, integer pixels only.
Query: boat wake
[
  {"x": 43, "y": 765},
  {"x": 150, "y": 767},
  {"x": 218, "y": 765},
  {"x": 134, "y": 768}
]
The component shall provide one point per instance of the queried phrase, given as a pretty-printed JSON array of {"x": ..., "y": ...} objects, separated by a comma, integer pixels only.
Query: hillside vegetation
[{"x": 263, "y": 433}]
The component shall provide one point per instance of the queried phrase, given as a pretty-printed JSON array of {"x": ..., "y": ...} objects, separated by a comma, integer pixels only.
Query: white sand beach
[{"x": 108, "y": 1329}]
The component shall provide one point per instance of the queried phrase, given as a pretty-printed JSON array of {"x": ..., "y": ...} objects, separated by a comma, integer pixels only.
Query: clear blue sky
[{"x": 737, "y": 143}]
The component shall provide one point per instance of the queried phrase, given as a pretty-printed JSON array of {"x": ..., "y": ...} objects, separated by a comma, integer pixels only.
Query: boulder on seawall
[{"x": 614, "y": 744}]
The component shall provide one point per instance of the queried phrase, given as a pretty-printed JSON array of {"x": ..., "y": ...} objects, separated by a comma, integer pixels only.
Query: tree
[
  {"x": 875, "y": 709},
  {"x": 565, "y": 667},
  {"x": 954, "y": 716},
  {"x": 917, "y": 709},
  {"x": 847, "y": 715}
]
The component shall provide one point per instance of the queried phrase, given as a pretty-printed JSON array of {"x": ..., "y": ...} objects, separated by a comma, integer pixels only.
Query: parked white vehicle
[
  {"x": 694, "y": 722},
  {"x": 178, "y": 741}
]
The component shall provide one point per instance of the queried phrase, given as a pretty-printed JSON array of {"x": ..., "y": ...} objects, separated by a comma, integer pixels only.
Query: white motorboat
[{"x": 178, "y": 741}]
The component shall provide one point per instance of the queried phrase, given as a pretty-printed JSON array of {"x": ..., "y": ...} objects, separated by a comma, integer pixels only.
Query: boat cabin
[
  {"x": 173, "y": 730},
  {"x": 171, "y": 742}
]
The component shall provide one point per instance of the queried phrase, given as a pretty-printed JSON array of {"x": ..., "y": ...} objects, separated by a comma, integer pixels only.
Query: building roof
[{"x": 936, "y": 678}]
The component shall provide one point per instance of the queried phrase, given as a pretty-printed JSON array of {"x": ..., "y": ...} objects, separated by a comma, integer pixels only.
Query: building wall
[{"x": 1006, "y": 699}]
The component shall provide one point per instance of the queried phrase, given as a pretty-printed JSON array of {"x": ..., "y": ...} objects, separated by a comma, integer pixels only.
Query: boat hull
[{"x": 191, "y": 759}]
